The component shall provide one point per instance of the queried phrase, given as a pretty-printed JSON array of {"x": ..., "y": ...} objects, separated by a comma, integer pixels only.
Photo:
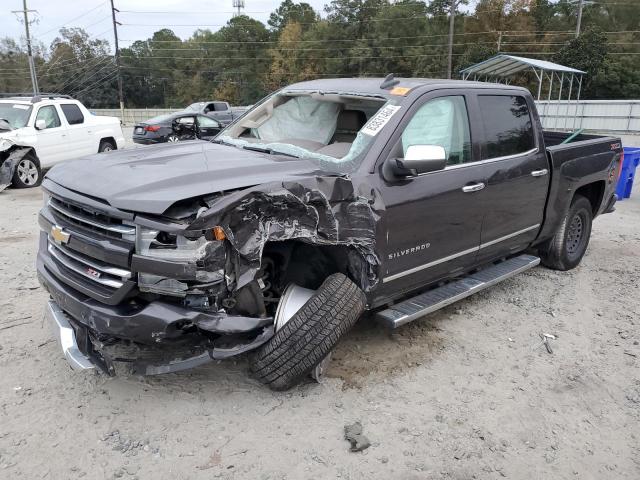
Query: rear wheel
[
  {"x": 106, "y": 146},
  {"x": 307, "y": 338},
  {"x": 173, "y": 138},
  {"x": 569, "y": 244},
  {"x": 27, "y": 173}
]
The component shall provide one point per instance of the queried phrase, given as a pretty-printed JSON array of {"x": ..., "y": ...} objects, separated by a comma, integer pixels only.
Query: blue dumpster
[{"x": 628, "y": 173}]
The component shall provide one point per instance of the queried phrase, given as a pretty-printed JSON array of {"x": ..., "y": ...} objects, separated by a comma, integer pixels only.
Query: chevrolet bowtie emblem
[{"x": 59, "y": 235}]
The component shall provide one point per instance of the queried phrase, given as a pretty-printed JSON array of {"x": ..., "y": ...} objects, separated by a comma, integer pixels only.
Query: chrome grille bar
[
  {"x": 120, "y": 229},
  {"x": 108, "y": 269},
  {"x": 81, "y": 266}
]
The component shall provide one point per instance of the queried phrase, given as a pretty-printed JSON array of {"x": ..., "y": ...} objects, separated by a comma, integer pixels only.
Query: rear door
[
  {"x": 432, "y": 221},
  {"x": 52, "y": 144},
  {"x": 517, "y": 170},
  {"x": 207, "y": 127},
  {"x": 223, "y": 112},
  {"x": 81, "y": 140}
]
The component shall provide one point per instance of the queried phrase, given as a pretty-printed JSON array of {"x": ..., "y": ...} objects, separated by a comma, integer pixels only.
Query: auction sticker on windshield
[{"x": 379, "y": 120}]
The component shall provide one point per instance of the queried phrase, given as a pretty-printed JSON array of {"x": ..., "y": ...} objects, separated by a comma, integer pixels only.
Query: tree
[
  {"x": 289, "y": 12},
  {"x": 587, "y": 52}
]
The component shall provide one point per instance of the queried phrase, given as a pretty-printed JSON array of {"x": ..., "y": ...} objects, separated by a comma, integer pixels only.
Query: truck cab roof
[{"x": 372, "y": 86}]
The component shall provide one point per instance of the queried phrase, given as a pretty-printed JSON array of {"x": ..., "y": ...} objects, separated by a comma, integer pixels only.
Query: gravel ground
[{"x": 467, "y": 392}]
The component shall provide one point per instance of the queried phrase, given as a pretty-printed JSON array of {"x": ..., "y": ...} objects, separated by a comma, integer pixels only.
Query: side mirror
[
  {"x": 419, "y": 159},
  {"x": 41, "y": 124}
]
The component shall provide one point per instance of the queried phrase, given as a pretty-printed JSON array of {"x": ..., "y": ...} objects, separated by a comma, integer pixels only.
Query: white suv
[{"x": 38, "y": 132}]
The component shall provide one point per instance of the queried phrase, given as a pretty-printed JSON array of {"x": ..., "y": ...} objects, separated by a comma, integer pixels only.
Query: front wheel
[
  {"x": 106, "y": 146},
  {"x": 569, "y": 244},
  {"x": 27, "y": 173},
  {"x": 306, "y": 339}
]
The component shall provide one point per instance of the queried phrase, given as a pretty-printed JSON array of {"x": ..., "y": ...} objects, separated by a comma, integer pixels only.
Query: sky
[{"x": 95, "y": 16}]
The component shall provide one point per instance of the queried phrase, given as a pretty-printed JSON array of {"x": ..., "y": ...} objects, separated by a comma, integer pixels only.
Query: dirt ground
[{"x": 467, "y": 392}]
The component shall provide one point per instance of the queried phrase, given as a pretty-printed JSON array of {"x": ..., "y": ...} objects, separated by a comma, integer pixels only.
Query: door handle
[
  {"x": 473, "y": 188},
  {"x": 539, "y": 173}
]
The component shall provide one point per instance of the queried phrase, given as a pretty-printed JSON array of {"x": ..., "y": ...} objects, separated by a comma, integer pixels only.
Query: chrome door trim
[
  {"x": 507, "y": 237},
  {"x": 491, "y": 160},
  {"x": 413, "y": 270},
  {"x": 395, "y": 276}
]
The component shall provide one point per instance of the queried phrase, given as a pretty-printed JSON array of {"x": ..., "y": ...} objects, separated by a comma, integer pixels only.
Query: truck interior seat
[{"x": 349, "y": 124}]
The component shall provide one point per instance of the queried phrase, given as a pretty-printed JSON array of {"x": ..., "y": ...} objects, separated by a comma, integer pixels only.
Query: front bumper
[
  {"x": 146, "y": 338},
  {"x": 66, "y": 336}
]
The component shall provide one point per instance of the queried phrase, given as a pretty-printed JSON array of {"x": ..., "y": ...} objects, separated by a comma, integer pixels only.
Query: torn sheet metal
[
  {"x": 318, "y": 210},
  {"x": 8, "y": 166}
]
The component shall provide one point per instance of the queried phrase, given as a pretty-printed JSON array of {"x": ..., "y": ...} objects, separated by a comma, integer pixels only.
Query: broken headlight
[{"x": 206, "y": 255}]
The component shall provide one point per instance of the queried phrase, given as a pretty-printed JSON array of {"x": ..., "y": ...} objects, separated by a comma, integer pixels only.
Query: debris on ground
[{"x": 353, "y": 434}]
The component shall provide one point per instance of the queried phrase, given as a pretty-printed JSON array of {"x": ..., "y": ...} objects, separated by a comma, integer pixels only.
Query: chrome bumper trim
[{"x": 66, "y": 337}]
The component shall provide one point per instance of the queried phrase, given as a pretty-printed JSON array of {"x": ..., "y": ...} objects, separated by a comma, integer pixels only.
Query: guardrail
[
  {"x": 134, "y": 115},
  {"x": 615, "y": 116}
]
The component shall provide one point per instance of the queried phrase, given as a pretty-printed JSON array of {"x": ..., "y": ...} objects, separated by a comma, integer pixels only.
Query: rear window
[
  {"x": 159, "y": 119},
  {"x": 72, "y": 113},
  {"x": 220, "y": 107},
  {"x": 507, "y": 125}
]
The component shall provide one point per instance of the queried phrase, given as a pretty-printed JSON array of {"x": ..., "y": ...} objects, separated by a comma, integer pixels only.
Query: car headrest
[{"x": 351, "y": 120}]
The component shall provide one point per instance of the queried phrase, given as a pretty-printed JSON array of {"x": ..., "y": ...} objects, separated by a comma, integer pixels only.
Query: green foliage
[{"x": 245, "y": 59}]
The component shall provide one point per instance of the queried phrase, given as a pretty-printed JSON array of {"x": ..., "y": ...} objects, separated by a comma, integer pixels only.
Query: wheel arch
[
  {"x": 111, "y": 140},
  {"x": 594, "y": 192}
]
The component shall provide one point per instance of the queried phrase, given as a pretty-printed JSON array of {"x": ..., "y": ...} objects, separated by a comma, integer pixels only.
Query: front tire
[
  {"x": 106, "y": 146},
  {"x": 569, "y": 244},
  {"x": 308, "y": 337},
  {"x": 27, "y": 173}
]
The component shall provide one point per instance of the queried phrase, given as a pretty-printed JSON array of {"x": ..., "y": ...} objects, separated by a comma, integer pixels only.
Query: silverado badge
[{"x": 59, "y": 235}]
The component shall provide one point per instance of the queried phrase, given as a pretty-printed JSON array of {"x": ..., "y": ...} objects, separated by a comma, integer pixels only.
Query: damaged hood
[{"x": 152, "y": 178}]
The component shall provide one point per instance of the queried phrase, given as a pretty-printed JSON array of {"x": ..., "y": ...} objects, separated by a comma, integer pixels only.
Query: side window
[
  {"x": 442, "y": 121},
  {"x": 185, "y": 120},
  {"x": 221, "y": 107},
  {"x": 49, "y": 115},
  {"x": 72, "y": 113},
  {"x": 207, "y": 122},
  {"x": 507, "y": 125},
  {"x": 211, "y": 107}
]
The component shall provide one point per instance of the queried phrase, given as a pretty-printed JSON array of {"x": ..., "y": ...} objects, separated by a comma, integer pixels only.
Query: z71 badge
[{"x": 409, "y": 251}]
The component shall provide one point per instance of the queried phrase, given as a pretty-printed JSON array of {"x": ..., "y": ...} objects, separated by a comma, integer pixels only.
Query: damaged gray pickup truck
[{"x": 328, "y": 198}]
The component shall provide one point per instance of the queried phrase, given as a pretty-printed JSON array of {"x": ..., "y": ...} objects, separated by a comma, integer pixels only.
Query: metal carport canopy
[{"x": 503, "y": 65}]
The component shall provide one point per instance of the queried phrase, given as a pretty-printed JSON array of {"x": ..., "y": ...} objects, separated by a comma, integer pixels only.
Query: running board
[{"x": 432, "y": 300}]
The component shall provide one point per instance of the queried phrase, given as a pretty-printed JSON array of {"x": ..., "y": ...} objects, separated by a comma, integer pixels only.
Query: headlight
[
  {"x": 208, "y": 257},
  {"x": 5, "y": 144}
]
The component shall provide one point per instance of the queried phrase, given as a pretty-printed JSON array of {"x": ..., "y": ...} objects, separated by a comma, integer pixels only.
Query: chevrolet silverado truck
[
  {"x": 327, "y": 199},
  {"x": 37, "y": 132}
]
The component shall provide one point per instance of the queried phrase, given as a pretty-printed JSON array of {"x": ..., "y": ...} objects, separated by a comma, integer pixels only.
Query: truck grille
[
  {"x": 95, "y": 259},
  {"x": 96, "y": 272},
  {"x": 90, "y": 219}
]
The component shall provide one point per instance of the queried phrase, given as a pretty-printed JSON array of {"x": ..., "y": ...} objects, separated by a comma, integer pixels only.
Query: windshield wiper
[{"x": 270, "y": 151}]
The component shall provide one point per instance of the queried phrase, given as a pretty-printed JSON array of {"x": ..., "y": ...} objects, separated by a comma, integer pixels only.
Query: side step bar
[{"x": 432, "y": 300}]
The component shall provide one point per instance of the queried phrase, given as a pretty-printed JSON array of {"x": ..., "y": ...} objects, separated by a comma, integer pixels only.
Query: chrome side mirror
[
  {"x": 41, "y": 124},
  {"x": 419, "y": 159}
]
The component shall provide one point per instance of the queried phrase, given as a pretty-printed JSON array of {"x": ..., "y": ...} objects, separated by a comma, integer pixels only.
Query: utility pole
[
  {"x": 499, "y": 40},
  {"x": 579, "y": 17},
  {"x": 32, "y": 66},
  {"x": 452, "y": 14},
  {"x": 115, "y": 36}
]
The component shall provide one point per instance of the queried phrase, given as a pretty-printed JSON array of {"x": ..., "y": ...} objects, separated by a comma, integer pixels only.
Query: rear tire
[
  {"x": 106, "y": 146},
  {"x": 173, "y": 138},
  {"x": 27, "y": 173},
  {"x": 306, "y": 339},
  {"x": 569, "y": 244}
]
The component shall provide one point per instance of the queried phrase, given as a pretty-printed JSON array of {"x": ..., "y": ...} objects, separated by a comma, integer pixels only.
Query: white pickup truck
[{"x": 41, "y": 131}]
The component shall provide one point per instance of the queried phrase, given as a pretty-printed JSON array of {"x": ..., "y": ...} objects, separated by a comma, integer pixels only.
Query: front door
[
  {"x": 433, "y": 221},
  {"x": 52, "y": 144},
  {"x": 518, "y": 175}
]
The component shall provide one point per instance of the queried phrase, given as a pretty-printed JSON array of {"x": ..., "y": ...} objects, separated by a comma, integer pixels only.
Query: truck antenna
[{"x": 389, "y": 81}]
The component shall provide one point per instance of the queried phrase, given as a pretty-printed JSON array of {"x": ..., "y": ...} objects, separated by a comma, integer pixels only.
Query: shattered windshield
[
  {"x": 16, "y": 114},
  {"x": 333, "y": 129}
]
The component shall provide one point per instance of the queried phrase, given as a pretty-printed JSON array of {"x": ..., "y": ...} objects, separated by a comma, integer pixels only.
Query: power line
[{"x": 72, "y": 20}]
